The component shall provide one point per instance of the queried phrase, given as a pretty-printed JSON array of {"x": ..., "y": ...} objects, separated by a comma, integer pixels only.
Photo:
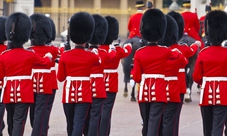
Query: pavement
[{"x": 126, "y": 120}]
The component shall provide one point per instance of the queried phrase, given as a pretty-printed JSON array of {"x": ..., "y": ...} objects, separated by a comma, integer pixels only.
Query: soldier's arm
[
  {"x": 61, "y": 75},
  {"x": 197, "y": 74}
]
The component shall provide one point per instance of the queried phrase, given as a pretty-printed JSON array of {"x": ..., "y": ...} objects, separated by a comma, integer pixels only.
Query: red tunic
[
  {"x": 75, "y": 68},
  {"x": 171, "y": 77},
  {"x": 192, "y": 26},
  {"x": 110, "y": 68},
  {"x": 2, "y": 48},
  {"x": 42, "y": 78},
  {"x": 134, "y": 24},
  {"x": 17, "y": 65},
  {"x": 210, "y": 69},
  {"x": 202, "y": 18},
  {"x": 97, "y": 75},
  {"x": 187, "y": 51},
  {"x": 149, "y": 71}
]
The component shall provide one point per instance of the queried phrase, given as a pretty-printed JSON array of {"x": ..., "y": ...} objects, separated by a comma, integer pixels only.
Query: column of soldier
[{"x": 29, "y": 80}]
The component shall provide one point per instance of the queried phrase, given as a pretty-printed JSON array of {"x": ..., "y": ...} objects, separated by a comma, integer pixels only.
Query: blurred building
[{"x": 61, "y": 10}]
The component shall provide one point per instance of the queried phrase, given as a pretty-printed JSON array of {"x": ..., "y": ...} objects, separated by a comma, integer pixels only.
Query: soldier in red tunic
[
  {"x": 134, "y": 20},
  {"x": 42, "y": 78},
  {"x": 210, "y": 73},
  {"x": 75, "y": 68},
  {"x": 97, "y": 75},
  {"x": 16, "y": 65},
  {"x": 111, "y": 74},
  {"x": 53, "y": 78},
  {"x": 171, "y": 73},
  {"x": 149, "y": 70},
  {"x": 187, "y": 51},
  {"x": 2, "y": 48},
  {"x": 191, "y": 22},
  {"x": 202, "y": 18}
]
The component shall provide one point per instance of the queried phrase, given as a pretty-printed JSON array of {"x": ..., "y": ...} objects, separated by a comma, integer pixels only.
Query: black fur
[
  {"x": 53, "y": 30},
  {"x": 101, "y": 29},
  {"x": 113, "y": 29},
  {"x": 22, "y": 29},
  {"x": 42, "y": 28},
  {"x": 153, "y": 25},
  {"x": 180, "y": 22},
  {"x": 2, "y": 29},
  {"x": 82, "y": 26},
  {"x": 171, "y": 35},
  {"x": 215, "y": 27}
]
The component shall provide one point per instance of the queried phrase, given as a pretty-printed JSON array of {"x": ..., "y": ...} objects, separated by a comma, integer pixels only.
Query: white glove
[
  {"x": 198, "y": 43},
  {"x": 111, "y": 47},
  {"x": 224, "y": 43},
  {"x": 95, "y": 51},
  {"x": 48, "y": 55},
  {"x": 127, "y": 44},
  {"x": 132, "y": 82}
]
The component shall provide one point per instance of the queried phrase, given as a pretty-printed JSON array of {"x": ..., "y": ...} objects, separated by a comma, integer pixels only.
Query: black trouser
[
  {"x": 93, "y": 118},
  {"x": 106, "y": 114},
  {"x": 37, "y": 113},
  {"x": 154, "y": 117},
  {"x": 16, "y": 118},
  {"x": 47, "y": 114},
  {"x": 213, "y": 119},
  {"x": 76, "y": 114},
  {"x": 177, "y": 118},
  {"x": 144, "y": 112},
  {"x": 168, "y": 119}
]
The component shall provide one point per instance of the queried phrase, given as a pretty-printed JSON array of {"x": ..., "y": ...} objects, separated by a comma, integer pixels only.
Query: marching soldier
[
  {"x": 16, "y": 65},
  {"x": 210, "y": 73},
  {"x": 97, "y": 78},
  {"x": 191, "y": 22},
  {"x": 187, "y": 51},
  {"x": 42, "y": 80},
  {"x": 75, "y": 68},
  {"x": 111, "y": 74},
  {"x": 54, "y": 79},
  {"x": 2, "y": 48},
  {"x": 171, "y": 73},
  {"x": 149, "y": 69},
  {"x": 134, "y": 20}
]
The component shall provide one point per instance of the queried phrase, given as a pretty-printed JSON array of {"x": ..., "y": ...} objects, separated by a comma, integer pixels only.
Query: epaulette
[
  {"x": 162, "y": 46},
  {"x": 5, "y": 51},
  {"x": 204, "y": 48},
  {"x": 140, "y": 48},
  {"x": 30, "y": 49}
]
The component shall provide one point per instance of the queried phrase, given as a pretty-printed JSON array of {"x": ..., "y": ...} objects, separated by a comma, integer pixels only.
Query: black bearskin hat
[
  {"x": 53, "y": 30},
  {"x": 113, "y": 29},
  {"x": 82, "y": 26},
  {"x": 171, "y": 35},
  {"x": 41, "y": 29},
  {"x": 101, "y": 29},
  {"x": 153, "y": 25},
  {"x": 180, "y": 22},
  {"x": 18, "y": 29},
  {"x": 215, "y": 27},
  {"x": 2, "y": 29}
]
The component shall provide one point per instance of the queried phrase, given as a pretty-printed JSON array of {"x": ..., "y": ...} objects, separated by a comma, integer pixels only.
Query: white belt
[
  {"x": 52, "y": 68},
  {"x": 12, "y": 78},
  {"x": 171, "y": 78},
  {"x": 205, "y": 79},
  {"x": 110, "y": 70},
  {"x": 68, "y": 83},
  {"x": 144, "y": 76},
  {"x": 96, "y": 75},
  {"x": 181, "y": 70},
  {"x": 41, "y": 70}
]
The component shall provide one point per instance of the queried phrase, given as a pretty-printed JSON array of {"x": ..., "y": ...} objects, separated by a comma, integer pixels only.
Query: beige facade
[{"x": 61, "y": 10}]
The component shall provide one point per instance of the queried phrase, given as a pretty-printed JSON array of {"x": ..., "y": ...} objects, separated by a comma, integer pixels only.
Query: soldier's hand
[
  {"x": 132, "y": 82},
  {"x": 111, "y": 47},
  {"x": 198, "y": 43}
]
